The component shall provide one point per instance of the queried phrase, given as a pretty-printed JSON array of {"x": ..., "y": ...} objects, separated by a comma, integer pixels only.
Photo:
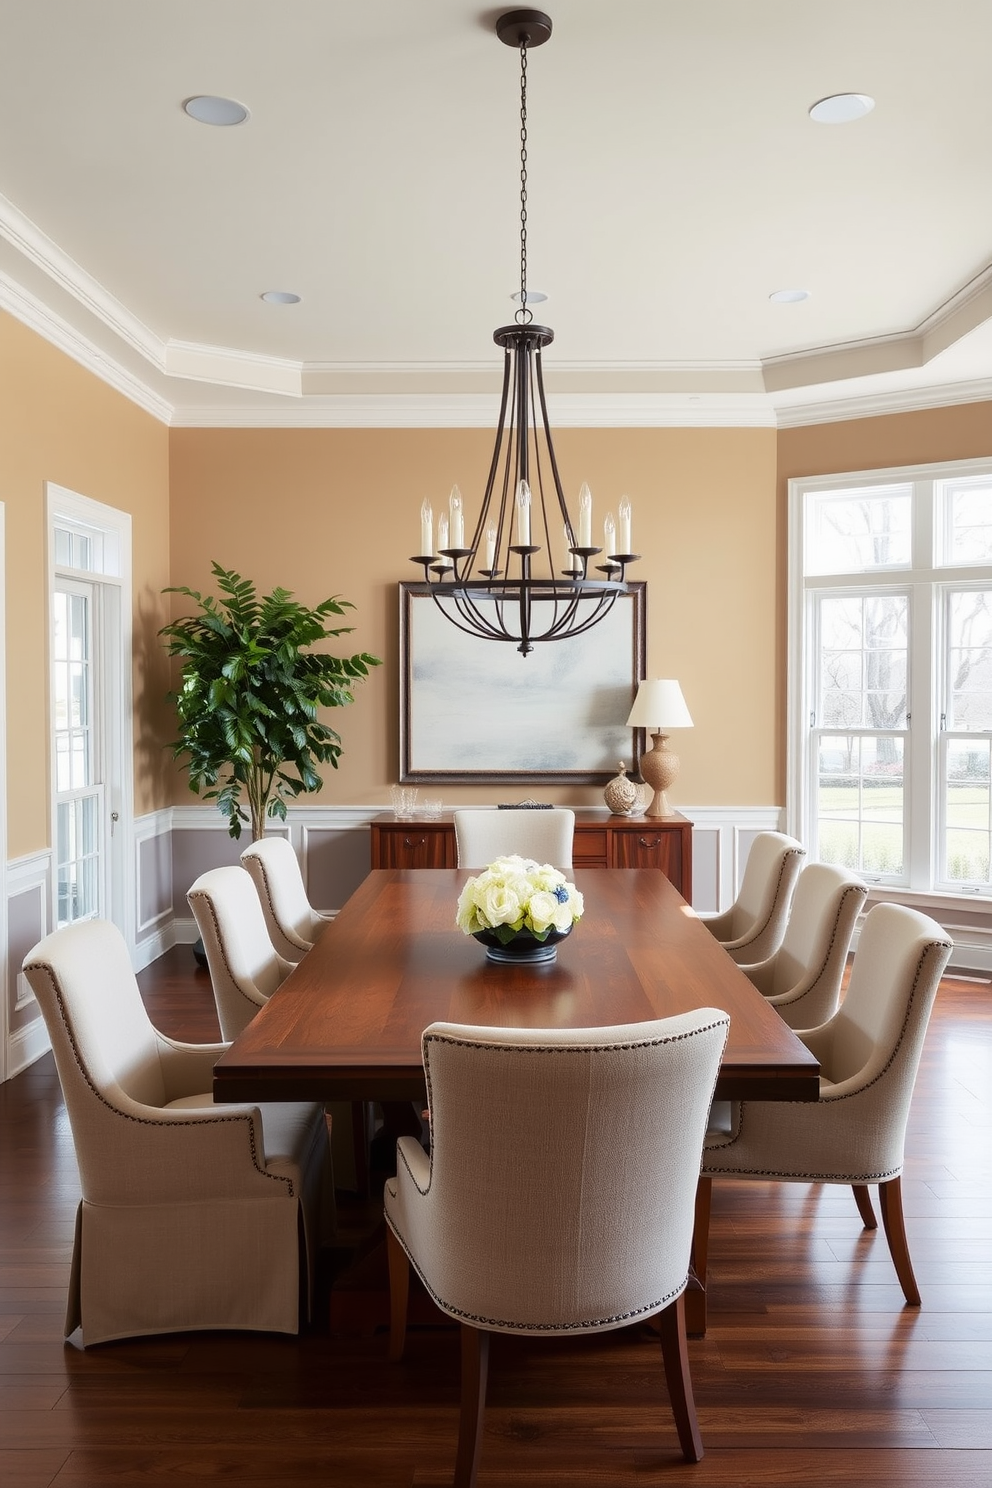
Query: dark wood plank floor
[{"x": 812, "y": 1371}]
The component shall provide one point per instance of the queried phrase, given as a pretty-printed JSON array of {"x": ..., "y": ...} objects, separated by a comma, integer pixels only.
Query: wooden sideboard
[{"x": 601, "y": 841}]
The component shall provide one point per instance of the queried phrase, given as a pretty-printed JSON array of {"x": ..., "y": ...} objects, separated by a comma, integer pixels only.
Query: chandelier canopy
[{"x": 504, "y": 584}]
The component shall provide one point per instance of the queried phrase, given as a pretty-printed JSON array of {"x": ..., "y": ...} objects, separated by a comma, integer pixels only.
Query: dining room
[{"x": 712, "y": 569}]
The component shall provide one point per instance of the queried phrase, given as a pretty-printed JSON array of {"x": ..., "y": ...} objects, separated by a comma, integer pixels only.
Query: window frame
[{"x": 928, "y": 581}]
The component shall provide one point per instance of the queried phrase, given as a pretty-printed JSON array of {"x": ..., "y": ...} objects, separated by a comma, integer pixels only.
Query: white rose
[
  {"x": 542, "y": 912},
  {"x": 466, "y": 917},
  {"x": 499, "y": 905},
  {"x": 564, "y": 916}
]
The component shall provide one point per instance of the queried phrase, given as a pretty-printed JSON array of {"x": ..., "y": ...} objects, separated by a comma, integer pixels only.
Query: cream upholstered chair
[
  {"x": 802, "y": 980},
  {"x": 869, "y": 1052},
  {"x": 753, "y": 927},
  {"x": 190, "y": 1212},
  {"x": 483, "y": 835},
  {"x": 522, "y": 1220},
  {"x": 245, "y": 968},
  {"x": 293, "y": 924}
]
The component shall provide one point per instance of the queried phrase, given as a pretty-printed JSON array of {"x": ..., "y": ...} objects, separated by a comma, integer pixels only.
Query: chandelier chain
[{"x": 524, "y": 315}]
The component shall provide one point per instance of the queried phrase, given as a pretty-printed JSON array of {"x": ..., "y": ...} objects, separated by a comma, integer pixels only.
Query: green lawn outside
[{"x": 880, "y": 811}]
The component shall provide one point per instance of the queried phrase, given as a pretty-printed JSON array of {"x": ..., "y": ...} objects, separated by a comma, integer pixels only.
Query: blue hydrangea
[{"x": 561, "y": 894}]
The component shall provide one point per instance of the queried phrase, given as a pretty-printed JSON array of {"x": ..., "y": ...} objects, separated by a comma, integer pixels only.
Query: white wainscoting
[{"x": 29, "y": 901}]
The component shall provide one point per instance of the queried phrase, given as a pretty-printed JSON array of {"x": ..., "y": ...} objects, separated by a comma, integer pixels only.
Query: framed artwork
[{"x": 474, "y": 711}]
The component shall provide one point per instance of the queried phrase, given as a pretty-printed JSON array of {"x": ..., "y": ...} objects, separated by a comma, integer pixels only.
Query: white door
[{"x": 91, "y": 714}]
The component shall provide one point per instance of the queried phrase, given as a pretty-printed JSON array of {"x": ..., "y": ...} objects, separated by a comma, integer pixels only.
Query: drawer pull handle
[
  {"x": 409, "y": 842},
  {"x": 643, "y": 842}
]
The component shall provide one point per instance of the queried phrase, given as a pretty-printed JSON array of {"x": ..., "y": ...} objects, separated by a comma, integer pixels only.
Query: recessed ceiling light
[
  {"x": 788, "y": 296},
  {"x": 205, "y": 108},
  {"x": 534, "y": 296},
  {"x": 841, "y": 108},
  {"x": 280, "y": 297}
]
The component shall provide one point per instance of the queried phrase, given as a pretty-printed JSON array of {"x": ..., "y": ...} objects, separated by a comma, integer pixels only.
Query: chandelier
[{"x": 503, "y": 584}]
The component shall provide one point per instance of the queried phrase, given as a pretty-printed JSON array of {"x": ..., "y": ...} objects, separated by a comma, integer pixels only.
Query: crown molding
[
  {"x": 478, "y": 411},
  {"x": 39, "y": 317},
  {"x": 906, "y": 400},
  {"x": 292, "y": 395},
  {"x": 28, "y": 240},
  {"x": 963, "y": 312}
]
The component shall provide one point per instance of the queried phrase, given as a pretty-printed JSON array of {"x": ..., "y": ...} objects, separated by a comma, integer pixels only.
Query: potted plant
[{"x": 249, "y": 696}]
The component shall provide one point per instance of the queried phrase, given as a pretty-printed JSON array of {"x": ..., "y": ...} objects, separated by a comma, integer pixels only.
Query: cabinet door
[
  {"x": 650, "y": 847},
  {"x": 413, "y": 846}
]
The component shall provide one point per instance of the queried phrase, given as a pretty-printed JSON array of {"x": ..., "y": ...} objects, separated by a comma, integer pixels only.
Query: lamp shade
[{"x": 659, "y": 705}]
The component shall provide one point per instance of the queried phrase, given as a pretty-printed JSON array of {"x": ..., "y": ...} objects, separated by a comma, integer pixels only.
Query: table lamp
[{"x": 658, "y": 707}]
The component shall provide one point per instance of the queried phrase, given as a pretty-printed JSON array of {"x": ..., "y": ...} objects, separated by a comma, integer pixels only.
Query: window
[{"x": 891, "y": 674}]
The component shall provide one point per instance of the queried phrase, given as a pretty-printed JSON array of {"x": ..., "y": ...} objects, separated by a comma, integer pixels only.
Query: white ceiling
[{"x": 676, "y": 180}]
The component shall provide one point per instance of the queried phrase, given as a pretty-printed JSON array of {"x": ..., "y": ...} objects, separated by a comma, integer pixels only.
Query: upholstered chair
[
  {"x": 802, "y": 980},
  {"x": 483, "y": 835},
  {"x": 190, "y": 1212},
  {"x": 869, "y": 1052},
  {"x": 245, "y": 968},
  {"x": 523, "y": 1220},
  {"x": 753, "y": 928},
  {"x": 293, "y": 924}
]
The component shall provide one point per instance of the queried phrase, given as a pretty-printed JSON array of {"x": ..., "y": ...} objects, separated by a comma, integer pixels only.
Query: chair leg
[
  {"x": 863, "y": 1200},
  {"x": 695, "y": 1297},
  {"x": 475, "y": 1373},
  {"x": 890, "y": 1203},
  {"x": 675, "y": 1353},
  {"x": 399, "y": 1295}
]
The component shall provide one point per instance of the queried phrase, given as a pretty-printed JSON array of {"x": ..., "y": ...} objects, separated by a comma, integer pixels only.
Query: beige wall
[
  {"x": 960, "y": 433},
  {"x": 337, "y": 511},
  {"x": 60, "y": 423}
]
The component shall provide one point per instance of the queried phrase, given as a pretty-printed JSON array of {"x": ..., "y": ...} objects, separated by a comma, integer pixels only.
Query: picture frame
[{"x": 476, "y": 712}]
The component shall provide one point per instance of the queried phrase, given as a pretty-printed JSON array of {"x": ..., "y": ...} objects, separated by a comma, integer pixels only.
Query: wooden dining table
[{"x": 346, "y": 1024}]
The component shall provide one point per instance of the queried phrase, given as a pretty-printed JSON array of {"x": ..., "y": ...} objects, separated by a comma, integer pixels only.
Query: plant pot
[{"x": 524, "y": 948}]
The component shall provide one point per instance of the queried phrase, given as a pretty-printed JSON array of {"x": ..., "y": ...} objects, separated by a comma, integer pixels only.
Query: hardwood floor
[{"x": 812, "y": 1371}]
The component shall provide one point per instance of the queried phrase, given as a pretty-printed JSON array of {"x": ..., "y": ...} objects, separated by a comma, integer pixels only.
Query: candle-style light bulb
[
  {"x": 523, "y": 514},
  {"x": 442, "y": 533},
  {"x": 491, "y": 547},
  {"x": 610, "y": 535},
  {"x": 625, "y": 546},
  {"x": 456, "y": 508},
  {"x": 426, "y": 530},
  {"x": 585, "y": 516}
]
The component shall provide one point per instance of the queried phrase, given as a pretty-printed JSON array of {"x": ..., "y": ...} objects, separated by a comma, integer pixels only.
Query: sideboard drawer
[
  {"x": 650, "y": 848},
  {"x": 591, "y": 848},
  {"x": 413, "y": 845}
]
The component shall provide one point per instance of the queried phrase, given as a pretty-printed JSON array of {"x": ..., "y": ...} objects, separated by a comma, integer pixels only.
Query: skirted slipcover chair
[
  {"x": 752, "y": 929},
  {"x": 293, "y": 924},
  {"x": 245, "y": 968},
  {"x": 869, "y": 1052},
  {"x": 802, "y": 980},
  {"x": 191, "y": 1214},
  {"x": 545, "y": 835},
  {"x": 524, "y": 1219}
]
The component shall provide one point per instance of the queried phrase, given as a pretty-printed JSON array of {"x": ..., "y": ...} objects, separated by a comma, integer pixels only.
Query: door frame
[{"x": 110, "y": 531}]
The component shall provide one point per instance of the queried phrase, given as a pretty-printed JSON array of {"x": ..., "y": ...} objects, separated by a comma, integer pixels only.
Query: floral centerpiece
[{"x": 519, "y": 909}]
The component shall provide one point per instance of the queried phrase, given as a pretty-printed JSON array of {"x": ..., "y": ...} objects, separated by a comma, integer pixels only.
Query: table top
[{"x": 346, "y": 1023}]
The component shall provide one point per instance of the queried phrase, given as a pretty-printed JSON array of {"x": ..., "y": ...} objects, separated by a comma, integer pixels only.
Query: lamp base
[{"x": 660, "y": 768}]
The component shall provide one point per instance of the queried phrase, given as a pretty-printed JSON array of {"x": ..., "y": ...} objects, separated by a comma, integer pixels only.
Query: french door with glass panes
[{"x": 80, "y": 878}]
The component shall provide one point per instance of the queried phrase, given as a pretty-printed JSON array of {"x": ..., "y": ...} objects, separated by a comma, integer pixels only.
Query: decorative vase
[
  {"x": 523, "y": 949},
  {"x": 621, "y": 794}
]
